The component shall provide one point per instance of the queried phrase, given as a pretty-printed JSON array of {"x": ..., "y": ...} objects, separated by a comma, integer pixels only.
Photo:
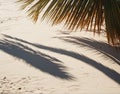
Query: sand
[{"x": 40, "y": 59}]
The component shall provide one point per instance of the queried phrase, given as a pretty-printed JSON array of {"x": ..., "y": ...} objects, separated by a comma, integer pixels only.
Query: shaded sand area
[{"x": 39, "y": 59}]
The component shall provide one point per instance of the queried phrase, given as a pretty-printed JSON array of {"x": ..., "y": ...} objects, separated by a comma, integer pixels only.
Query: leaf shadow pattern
[
  {"x": 37, "y": 59},
  {"x": 107, "y": 51},
  {"x": 115, "y": 76}
]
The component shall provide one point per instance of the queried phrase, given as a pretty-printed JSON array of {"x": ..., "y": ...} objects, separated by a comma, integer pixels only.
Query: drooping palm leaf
[{"x": 79, "y": 14}]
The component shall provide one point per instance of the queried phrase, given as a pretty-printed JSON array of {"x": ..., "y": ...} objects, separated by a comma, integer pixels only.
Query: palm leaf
[{"x": 80, "y": 14}]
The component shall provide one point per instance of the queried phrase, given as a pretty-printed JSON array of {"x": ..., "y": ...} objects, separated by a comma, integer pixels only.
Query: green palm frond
[{"x": 80, "y": 14}]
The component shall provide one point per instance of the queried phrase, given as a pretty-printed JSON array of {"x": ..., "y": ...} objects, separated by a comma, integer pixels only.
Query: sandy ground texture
[{"x": 39, "y": 59}]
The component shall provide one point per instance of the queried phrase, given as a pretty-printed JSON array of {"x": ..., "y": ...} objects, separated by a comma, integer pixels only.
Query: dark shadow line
[
  {"x": 107, "y": 71},
  {"x": 37, "y": 59},
  {"x": 101, "y": 47}
]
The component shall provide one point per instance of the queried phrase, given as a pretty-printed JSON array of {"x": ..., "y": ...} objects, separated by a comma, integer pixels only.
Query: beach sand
[{"x": 40, "y": 59}]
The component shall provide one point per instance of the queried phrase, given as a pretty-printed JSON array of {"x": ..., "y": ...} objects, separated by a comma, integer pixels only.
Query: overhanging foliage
[{"x": 80, "y": 14}]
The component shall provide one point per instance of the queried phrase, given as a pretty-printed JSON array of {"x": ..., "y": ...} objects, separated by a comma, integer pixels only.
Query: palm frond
[
  {"x": 80, "y": 14},
  {"x": 112, "y": 19}
]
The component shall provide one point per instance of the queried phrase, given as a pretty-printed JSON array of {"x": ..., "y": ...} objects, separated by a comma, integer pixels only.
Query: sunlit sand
[{"x": 40, "y": 59}]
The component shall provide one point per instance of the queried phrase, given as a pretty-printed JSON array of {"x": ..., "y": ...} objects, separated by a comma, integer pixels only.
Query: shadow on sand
[
  {"x": 102, "y": 48},
  {"x": 37, "y": 59},
  {"x": 104, "y": 69},
  {"x": 50, "y": 67}
]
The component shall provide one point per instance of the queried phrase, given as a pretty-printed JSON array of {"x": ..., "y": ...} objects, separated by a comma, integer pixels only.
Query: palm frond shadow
[
  {"x": 104, "y": 69},
  {"x": 36, "y": 59},
  {"x": 102, "y": 48}
]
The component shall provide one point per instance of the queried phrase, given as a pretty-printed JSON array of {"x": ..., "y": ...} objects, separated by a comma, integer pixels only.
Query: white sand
[{"x": 39, "y": 59}]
